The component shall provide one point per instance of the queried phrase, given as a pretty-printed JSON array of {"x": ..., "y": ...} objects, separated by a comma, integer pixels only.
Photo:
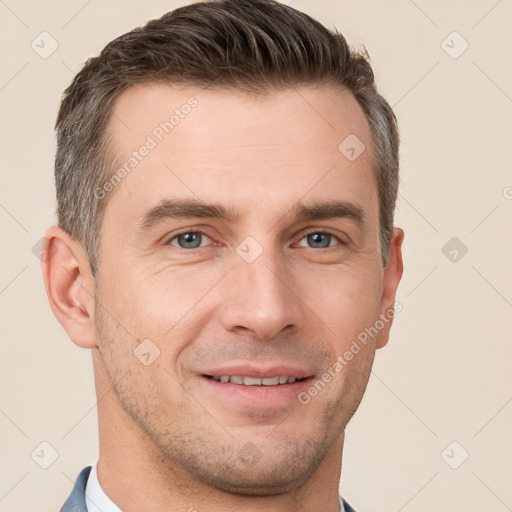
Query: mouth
[
  {"x": 246, "y": 380},
  {"x": 250, "y": 388}
]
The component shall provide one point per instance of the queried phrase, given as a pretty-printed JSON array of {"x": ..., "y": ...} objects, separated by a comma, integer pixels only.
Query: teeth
[
  {"x": 255, "y": 381},
  {"x": 251, "y": 381}
]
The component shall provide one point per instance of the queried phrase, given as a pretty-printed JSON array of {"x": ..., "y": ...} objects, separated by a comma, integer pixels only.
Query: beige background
[{"x": 445, "y": 375}]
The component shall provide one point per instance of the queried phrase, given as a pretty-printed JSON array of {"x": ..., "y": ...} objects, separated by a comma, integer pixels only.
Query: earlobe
[
  {"x": 69, "y": 286},
  {"x": 392, "y": 275}
]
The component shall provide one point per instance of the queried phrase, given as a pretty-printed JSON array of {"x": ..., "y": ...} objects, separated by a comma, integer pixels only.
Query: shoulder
[
  {"x": 76, "y": 500},
  {"x": 348, "y": 508}
]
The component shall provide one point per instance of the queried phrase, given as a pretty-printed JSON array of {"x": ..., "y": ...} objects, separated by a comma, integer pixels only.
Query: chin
[
  {"x": 272, "y": 472},
  {"x": 255, "y": 483}
]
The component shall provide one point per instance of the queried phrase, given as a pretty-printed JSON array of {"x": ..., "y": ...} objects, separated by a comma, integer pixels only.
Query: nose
[{"x": 260, "y": 298}]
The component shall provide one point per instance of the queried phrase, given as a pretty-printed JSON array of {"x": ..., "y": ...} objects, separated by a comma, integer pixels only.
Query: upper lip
[{"x": 259, "y": 372}]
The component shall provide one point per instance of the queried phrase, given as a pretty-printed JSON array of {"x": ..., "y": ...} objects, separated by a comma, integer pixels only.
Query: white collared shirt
[
  {"x": 97, "y": 501},
  {"x": 95, "y": 497}
]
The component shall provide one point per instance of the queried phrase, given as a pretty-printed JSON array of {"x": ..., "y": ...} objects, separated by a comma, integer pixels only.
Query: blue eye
[
  {"x": 320, "y": 239},
  {"x": 189, "y": 239},
  {"x": 197, "y": 239}
]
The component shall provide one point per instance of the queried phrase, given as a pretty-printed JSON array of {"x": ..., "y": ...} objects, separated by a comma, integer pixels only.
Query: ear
[
  {"x": 392, "y": 275},
  {"x": 69, "y": 285}
]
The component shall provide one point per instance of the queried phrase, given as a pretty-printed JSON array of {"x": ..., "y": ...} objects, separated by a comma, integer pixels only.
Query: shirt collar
[{"x": 95, "y": 497}]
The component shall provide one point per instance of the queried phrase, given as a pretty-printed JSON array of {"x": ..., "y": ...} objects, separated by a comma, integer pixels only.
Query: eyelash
[{"x": 324, "y": 231}]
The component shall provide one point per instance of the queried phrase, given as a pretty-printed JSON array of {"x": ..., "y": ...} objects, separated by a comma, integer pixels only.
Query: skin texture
[{"x": 168, "y": 439}]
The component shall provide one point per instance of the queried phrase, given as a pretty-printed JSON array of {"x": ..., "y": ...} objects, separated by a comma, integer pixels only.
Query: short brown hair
[{"x": 247, "y": 45}]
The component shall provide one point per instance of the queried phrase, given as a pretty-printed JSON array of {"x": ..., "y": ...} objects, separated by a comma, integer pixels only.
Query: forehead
[{"x": 254, "y": 152}]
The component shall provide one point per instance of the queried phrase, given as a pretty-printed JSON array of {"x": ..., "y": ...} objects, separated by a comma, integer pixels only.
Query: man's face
[{"x": 263, "y": 292}]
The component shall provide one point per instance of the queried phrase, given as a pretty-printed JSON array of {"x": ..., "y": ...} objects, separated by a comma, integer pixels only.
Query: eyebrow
[
  {"x": 331, "y": 210},
  {"x": 189, "y": 208},
  {"x": 176, "y": 209}
]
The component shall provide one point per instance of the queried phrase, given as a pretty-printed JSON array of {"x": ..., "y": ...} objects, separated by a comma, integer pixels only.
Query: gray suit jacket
[{"x": 76, "y": 500}]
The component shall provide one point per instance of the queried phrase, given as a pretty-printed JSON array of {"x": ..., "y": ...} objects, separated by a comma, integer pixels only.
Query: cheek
[
  {"x": 135, "y": 362},
  {"x": 167, "y": 308},
  {"x": 172, "y": 303},
  {"x": 346, "y": 302}
]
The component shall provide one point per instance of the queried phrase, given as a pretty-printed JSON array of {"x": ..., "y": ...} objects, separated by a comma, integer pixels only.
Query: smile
[{"x": 255, "y": 381}]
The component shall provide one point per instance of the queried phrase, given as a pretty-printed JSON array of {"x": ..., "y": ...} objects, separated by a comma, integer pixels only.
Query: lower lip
[{"x": 258, "y": 396}]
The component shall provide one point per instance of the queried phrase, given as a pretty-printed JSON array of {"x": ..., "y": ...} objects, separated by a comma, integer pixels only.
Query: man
[{"x": 226, "y": 180}]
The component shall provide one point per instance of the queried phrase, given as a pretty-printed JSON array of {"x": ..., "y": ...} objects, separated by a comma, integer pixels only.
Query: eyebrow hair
[
  {"x": 331, "y": 209},
  {"x": 175, "y": 209},
  {"x": 187, "y": 208}
]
